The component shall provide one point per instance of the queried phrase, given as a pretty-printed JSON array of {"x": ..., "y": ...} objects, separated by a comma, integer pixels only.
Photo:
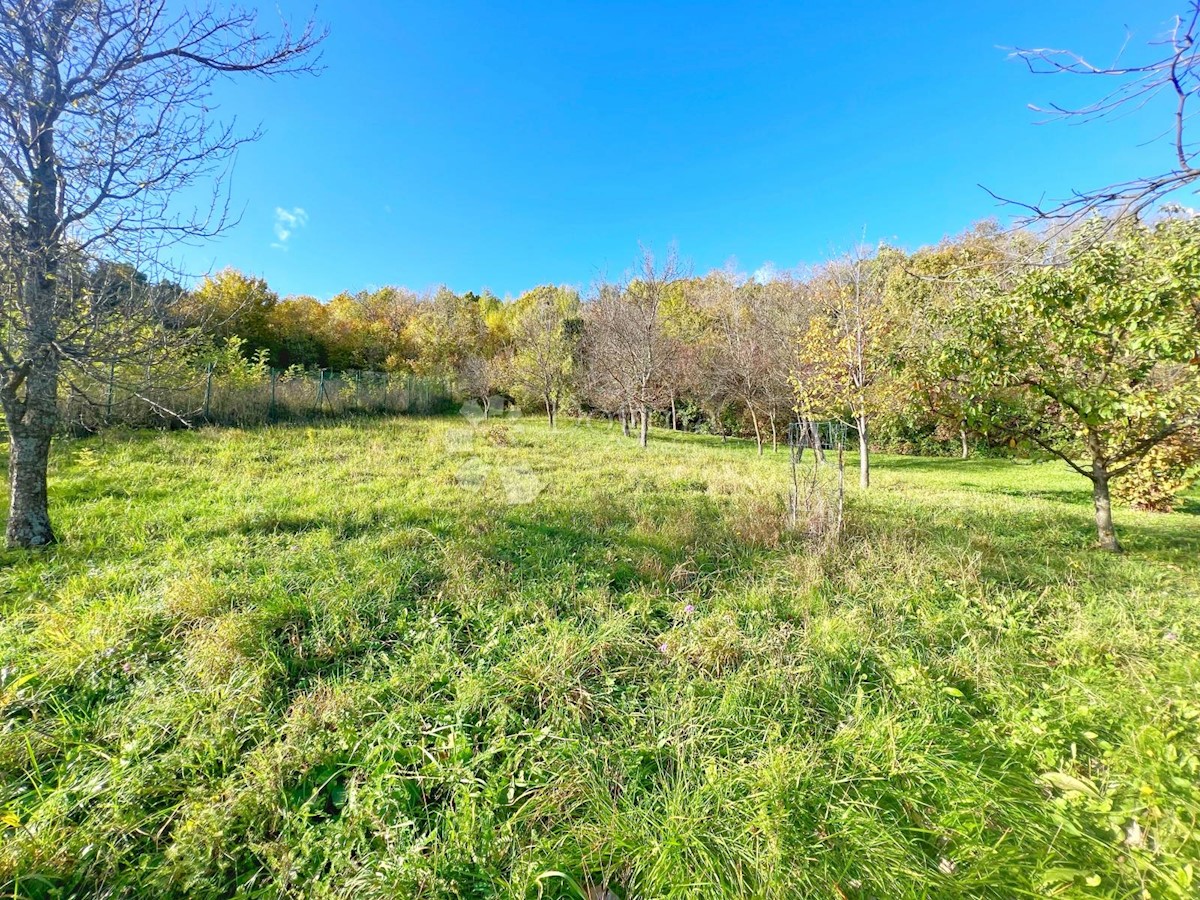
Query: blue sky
[{"x": 503, "y": 145}]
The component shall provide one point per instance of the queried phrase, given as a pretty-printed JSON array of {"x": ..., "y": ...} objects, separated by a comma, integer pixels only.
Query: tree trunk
[
  {"x": 31, "y": 423},
  {"x": 624, "y": 414},
  {"x": 674, "y": 416},
  {"x": 29, "y": 514},
  {"x": 1103, "y": 503},
  {"x": 774, "y": 435},
  {"x": 966, "y": 449},
  {"x": 32, "y": 419},
  {"x": 818, "y": 451},
  {"x": 864, "y": 454},
  {"x": 549, "y": 409},
  {"x": 757, "y": 433},
  {"x": 644, "y": 434}
]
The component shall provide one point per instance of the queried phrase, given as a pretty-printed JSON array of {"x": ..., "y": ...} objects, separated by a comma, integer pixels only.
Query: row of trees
[{"x": 1084, "y": 346}]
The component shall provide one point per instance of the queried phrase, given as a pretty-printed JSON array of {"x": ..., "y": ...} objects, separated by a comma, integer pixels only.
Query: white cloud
[
  {"x": 765, "y": 273},
  {"x": 287, "y": 222}
]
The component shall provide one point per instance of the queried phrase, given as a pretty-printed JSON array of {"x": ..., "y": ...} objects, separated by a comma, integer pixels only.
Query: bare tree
[
  {"x": 1168, "y": 80},
  {"x": 782, "y": 305},
  {"x": 840, "y": 359},
  {"x": 105, "y": 114},
  {"x": 626, "y": 346},
  {"x": 744, "y": 366}
]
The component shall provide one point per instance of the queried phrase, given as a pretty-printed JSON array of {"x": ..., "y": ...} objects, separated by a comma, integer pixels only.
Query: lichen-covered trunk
[
  {"x": 29, "y": 393},
  {"x": 29, "y": 512},
  {"x": 32, "y": 419}
]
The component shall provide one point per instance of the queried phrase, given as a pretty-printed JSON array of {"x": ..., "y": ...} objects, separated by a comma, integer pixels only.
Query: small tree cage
[{"x": 817, "y": 497}]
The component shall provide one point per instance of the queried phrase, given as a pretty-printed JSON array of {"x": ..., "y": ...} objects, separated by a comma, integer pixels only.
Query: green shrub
[{"x": 1158, "y": 479}]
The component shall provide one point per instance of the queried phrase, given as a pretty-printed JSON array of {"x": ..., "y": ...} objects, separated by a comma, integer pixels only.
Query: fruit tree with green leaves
[{"x": 1093, "y": 357}]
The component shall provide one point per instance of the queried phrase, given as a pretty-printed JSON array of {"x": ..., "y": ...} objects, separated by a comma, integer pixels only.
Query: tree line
[
  {"x": 1083, "y": 346},
  {"x": 1079, "y": 342}
]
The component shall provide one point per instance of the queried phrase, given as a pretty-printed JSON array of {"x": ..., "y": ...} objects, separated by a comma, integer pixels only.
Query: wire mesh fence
[
  {"x": 817, "y": 498},
  {"x": 816, "y": 435},
  {"x": 238, "y": 398}
]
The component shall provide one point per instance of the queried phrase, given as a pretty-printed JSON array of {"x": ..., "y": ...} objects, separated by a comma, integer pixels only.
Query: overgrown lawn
[{"x": 424, "y": 658}]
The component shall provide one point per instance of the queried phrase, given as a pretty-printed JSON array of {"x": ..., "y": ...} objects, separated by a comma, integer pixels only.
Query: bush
[{"x": 1163, "y": 474}]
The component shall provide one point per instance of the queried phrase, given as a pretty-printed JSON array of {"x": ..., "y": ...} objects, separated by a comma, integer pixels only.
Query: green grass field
[{"x": 419, "y": 658}]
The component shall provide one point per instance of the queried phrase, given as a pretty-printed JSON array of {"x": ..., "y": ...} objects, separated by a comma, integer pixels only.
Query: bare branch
[{"x": 1173, "y": 73}]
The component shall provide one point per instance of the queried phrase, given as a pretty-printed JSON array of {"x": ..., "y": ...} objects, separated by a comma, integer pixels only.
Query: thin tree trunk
[
  {"x": 719, "y": 426},
  {"x": 549, "y": 409},
  {"x": 818, "y": 451},
  {"x": 1103, "y": 503},
  {"x": 674, "y": 416},
  {"x": 757, "y": 433},
  {"x": 841, "y": 482},
  {"x": 624, "y": 413},
  {"x": 644, "y": 435},
  {"x": 966, "y": 449},
  {"x": 864, "y": 454},
  {"x": 774, "y": 435}
]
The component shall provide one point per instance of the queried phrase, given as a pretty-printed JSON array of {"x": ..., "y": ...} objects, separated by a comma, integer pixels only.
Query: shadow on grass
[
  {"x": 1030, "y": 547},
  {"x": 1059, "y": 495},
  {"x": 943, "y": 464},
  {"x": 549, "y": 543},
  {"x": 1189, "y": 506}
]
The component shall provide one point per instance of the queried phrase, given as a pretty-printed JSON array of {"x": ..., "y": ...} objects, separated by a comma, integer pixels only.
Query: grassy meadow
[{"x": 424, "y": 658}]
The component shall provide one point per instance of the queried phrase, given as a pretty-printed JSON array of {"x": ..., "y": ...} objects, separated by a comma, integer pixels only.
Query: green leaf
[{"x": 1069, "y": 783}]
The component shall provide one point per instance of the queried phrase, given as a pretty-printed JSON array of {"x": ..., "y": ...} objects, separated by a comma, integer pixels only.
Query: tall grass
[{"x": 423, "y": 658}]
